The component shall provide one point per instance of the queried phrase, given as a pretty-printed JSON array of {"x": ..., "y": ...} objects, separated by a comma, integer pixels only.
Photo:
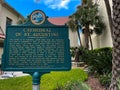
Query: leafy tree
[
  {"x": 73, "y": 24},
  {"x": 23, "y": 21},
  {"x": 87, "y": 15}
]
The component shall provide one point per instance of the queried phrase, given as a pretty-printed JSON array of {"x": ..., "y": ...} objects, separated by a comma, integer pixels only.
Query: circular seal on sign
[{"x": 37, "y": 17}]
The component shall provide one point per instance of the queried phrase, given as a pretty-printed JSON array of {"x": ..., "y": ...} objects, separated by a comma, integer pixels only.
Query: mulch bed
[{"x": 94, "y": 83}]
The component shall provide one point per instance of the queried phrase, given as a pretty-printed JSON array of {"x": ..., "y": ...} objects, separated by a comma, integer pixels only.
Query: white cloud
[
  {"x": 48, "y": 1},
  {"x": 37, "y": 1},
  {"x": 57, "y": 4}
]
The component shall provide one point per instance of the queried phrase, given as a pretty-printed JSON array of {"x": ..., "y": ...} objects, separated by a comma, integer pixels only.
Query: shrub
[
  {"x": 54, "y": 80},
  {"x": 77, "y": 85},
  {"x": 72, "y": 51},
  {"x": 99, "y": 60},
  {"x": 105, "y": 79},
  {"x": 82, "y": 55},
  {"x": 49, "y": 81},
  {"x": 74, "y": 85}
]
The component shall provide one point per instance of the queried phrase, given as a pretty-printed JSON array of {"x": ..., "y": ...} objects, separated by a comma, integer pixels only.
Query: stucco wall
[
  {"x": 104, "y": 40},
  {"x": 0, "y": 14},
  {"x": 6, "y": 13},
  {"x": 73, "y": 38},
  {"x": 1, "y": 50}
]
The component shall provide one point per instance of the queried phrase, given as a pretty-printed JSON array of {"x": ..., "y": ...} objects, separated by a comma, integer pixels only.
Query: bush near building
[{"x": 49, "y": 81}]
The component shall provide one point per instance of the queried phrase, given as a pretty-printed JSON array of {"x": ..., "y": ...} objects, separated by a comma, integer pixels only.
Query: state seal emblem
[{"x": 37, "y": 17}]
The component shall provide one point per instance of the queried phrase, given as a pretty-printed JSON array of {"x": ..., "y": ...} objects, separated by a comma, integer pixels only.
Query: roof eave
[{"x": 6, "y": 5}]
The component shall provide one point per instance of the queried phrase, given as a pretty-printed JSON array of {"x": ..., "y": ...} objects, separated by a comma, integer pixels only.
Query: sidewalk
[{"x": 12, "y": 74}]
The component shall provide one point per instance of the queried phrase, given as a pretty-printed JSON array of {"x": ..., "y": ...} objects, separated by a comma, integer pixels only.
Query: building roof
[
  {"x": 6, "y": 5},
  {"x": 58, "y": 20},
  {"x": 2, "y": 35},
  {"x": 53, "y": 20},
  {"x": 11, "y": 9}
]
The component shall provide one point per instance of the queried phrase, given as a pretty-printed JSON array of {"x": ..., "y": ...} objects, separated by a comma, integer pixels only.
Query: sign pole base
[
  {"x": 36, "y": 77},
  {"x": 36, "y": 87}
]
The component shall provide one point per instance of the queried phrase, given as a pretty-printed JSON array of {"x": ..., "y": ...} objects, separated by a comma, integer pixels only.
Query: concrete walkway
[{"x": 12, "y": 74}]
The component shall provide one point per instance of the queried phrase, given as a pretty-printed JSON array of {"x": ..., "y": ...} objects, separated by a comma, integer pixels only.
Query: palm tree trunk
[
  {"x": 91, "y": 41},
  {"x": 79, "y": 37},
  {"x": 116, "y": 46},
  {"x": 86, "y": 33}
]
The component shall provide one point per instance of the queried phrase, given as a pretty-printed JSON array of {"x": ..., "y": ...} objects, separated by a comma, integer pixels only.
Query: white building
[
  {"x": 72, "y": 35},
  {"x": 104, "y": 40},
  {"x": 8, "y": 16}
]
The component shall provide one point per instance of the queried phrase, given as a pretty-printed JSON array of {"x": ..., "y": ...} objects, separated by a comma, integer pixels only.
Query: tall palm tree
[
  {"x": 116, "y": 46},
  {"x": 75, "y": 26},
  {"x": 87, "y": 15}
]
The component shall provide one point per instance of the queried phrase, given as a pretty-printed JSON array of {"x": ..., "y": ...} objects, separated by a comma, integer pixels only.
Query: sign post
[
  {"x": 36, "y": 47},
  {"x": 36, "y": 78}
]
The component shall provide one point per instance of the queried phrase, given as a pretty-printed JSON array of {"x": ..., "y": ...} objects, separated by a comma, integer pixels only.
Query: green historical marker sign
[{"x": 37, "y": 46}]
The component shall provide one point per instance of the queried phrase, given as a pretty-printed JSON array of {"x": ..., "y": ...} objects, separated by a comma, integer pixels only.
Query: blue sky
[{"x": 52, "y": 8}]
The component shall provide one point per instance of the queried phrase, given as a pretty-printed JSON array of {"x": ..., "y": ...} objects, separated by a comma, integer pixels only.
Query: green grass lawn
[{"x": 49, "y": 81}]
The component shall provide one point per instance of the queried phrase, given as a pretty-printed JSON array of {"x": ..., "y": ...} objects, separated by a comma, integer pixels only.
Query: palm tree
[
  {"x": 74, "y": 26},
  {"x": 87, "y": 15},
  {"x": 116, "y": 46},
  {"x": 23, "y": 21}
]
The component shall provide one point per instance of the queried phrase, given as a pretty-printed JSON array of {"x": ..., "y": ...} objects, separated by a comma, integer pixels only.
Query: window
[{"x": 8, "y": 21}]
